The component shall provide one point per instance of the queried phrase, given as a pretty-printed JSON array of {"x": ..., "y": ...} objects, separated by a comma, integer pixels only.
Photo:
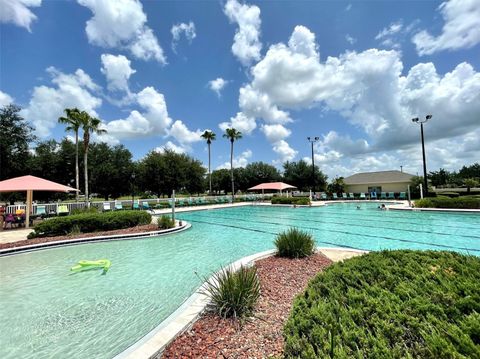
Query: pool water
[{"x": 47, "y": 312}]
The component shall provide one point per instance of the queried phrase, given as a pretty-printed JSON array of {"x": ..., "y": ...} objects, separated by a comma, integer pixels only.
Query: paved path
[{"x": 14, "y": 235}]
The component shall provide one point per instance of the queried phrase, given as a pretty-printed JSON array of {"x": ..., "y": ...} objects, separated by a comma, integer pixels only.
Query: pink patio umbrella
[
  {"x": 29, "y": 184},
  {"x": 277, "y": 186}
]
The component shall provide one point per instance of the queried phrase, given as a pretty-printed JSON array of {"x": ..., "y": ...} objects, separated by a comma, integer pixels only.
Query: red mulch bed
[
  {"x": 27, "y": 242},
  {"x": 213, "y": 337}
]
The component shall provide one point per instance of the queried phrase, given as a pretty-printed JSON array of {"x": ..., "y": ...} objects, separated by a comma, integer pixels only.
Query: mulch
[
  {"x": 262, "y": 335},
  {"x": 27, "y": 242}
]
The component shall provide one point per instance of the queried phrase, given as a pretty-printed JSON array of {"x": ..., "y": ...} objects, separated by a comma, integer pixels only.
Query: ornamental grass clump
[
  {"x": 165, "y": 222},
  {"x": 234, "y": 293},
  {"x": 294, "y": 243}
]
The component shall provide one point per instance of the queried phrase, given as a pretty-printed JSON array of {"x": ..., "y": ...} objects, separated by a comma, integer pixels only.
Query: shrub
[
  {"x": 90, "y": 222},
  {"x": 294, "y": 243},
  {"x": 291, "y": 200},
  {"x": 390, "y": 304},
  {"x": 445, "y": 202},
  {"x": 234, "y": 294},
  {"x": 91, "y": 209},
  {"x": 165, "y": 222}
]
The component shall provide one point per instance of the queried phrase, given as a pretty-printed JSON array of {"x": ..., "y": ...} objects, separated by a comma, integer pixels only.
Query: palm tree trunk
[
  {"x": 231, "y": 170},
  {"x": 85, "y": 169},
  {"x": 209, "y": 172},
  {"x": 77, "y": 174}
]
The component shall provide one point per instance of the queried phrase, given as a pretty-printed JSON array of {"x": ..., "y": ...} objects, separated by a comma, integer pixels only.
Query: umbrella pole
[{"x": 29, "y": 208}]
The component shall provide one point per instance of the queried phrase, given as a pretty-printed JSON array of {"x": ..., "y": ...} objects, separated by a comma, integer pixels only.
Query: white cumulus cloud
[
  {"x": 217, "y": 85},
  {"x": 241, "y": 122},
  {"x": 182, "y": 134},
  {"x": 460, "y": 31},
  {"x": 70, "y": 90},
  {"x": 18, "y": 12},
  {"x": 122, "y": 24},
  {"x": 169, "y": 145},
  {"x": 117, "y": 70},
  {"x": 187, "y": 29},
  {"x": 238, "y": 161},
  {"x": 5, "y": 99},
  {"x": 246, "y": 43}
]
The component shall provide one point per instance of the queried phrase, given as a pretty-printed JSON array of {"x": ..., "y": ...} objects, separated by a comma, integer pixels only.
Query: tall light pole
[
  {"x": 312, "y": 140},
  {"x": 425, "y": 182}
]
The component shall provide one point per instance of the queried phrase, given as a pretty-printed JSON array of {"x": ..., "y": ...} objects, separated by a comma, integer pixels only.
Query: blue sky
[{"x": 158, "y": 73}]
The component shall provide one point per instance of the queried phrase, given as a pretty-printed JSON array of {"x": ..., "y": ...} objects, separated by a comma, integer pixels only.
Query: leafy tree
[
  {"x": 15, "y": 136},
  {"x": 472, "y": 171},
  {"x": 260, "y": 172},
  {"x": 470, "y": 182},
  {"x": 209, "y": 136},
  {"x": 336, "y": 186},
  {"x": 299, "y": 174},
  {"x": 221, "y": 180},
  {"x": 415, "y": 186},
  {"x": 89, "y": 125},
  {"x": 232, "y": 135},
  {"x": 73, "y": 122},
  {"x": 439, "y": 178}
]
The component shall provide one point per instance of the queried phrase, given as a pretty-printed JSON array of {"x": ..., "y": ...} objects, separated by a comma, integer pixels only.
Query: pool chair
[
  {"x": 373, "y": 195},
  {"x": 145, "y": 206},
  {"x": 106, "y": 206},
  {"x": 334, "y": 196},
  {"x": 351, "y": 196},
  {"x": 135, "y": 205},
  {"x": 391, "y": 195},
  {"x": 41, "y": 211},
  {"x": 362, "y": 195},
  {"x": 323, "y": 196},
  {"x": 344, "y": 196},
  {"x": 118, "y": 206},
  {"x": 402, "y": 196},
  {"x": 383, "y": 195},
  {"x": 203, "y": 201},
  {"x": 181, "y": 203},
  {"x": 63, "y": 210}
]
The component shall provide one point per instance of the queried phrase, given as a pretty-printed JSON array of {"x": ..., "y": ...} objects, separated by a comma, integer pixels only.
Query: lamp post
[
  {"x": 312, "y": 140},
  {"x": 133, "y": 188},
  {"x": 425, "y": 182}
]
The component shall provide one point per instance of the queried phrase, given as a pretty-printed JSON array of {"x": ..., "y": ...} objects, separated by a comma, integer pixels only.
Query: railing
[{"x": 52, "y": 208}]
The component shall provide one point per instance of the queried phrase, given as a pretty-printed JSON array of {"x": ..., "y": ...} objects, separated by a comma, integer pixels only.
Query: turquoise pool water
[{"x": 46, "y": 312}]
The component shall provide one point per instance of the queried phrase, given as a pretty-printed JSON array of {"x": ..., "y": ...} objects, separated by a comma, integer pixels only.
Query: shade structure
[
  {"x": 276, "y": 186},
  {"x": 29, "y": 184}
]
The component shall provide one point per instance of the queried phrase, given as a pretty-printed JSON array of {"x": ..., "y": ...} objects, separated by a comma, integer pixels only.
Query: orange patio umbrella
[{"x": 29, "y": 184}]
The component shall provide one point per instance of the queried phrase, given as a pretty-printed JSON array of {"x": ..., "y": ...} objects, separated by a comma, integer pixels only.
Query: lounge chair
[
  {"x": 334, "y": 196},
  {"x": 106, "y": 206},
  {"x": 41, "y": 211},
  {"x": 383, "y": 195},
  {"x": 118, "y": 206},
  {"x": 135, "y": 205},
  {"x": 402, "y": 196},
  {"x": 323, "y": 196},
  {"x": 145, "y": 206},
  {"x": 181, "y": 203},
  {"x": 373, "y": 195},
  {"x": 351, "y": 196},
  {"x": 344, "y": 196},
  {"x": 362, "y": 195},
  {"x": 63, "y": 210},
  {"x": 391, "y": 195}
]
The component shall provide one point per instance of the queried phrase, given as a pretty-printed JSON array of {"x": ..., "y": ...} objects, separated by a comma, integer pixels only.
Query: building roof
[
  {"x": 378, "y": 177},
  {"x": 279, "y": 186}
]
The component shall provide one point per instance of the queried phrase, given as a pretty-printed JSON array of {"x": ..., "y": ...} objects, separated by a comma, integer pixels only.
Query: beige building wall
[{"x": 386, "y": 187}]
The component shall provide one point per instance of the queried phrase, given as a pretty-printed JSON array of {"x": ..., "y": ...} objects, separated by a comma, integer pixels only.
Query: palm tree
[
  {"x": 209, "y": 136},
  {"x": 232, "y": 134},
  {"x": 72, "y": 120},
  {"x": 89, "y": 125}
]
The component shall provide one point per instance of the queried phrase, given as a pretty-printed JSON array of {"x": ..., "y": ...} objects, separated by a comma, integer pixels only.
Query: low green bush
[
  {"x": 446, "y": 202},
  {"x": 234, "y": 294},
  {"x": 390, "y": 304},
  {"x": 291, "y": 200},
  {"x": 449, "y": 194},
  {"x": 165, "y": 222},
  {"x": 294, "y": 243},
  {"x": 91, "y": 209},
  {"x": 90, "y": 222}
]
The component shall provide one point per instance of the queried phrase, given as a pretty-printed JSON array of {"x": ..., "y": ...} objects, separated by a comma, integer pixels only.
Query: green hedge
[
  {"x": 390, "y": 304},
  {"x": 90, "y": 222},
  {"x": 291, "y": 200},
  {"x": 446, "y": 202}
]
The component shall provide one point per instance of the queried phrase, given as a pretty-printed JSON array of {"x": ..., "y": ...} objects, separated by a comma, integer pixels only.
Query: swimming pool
[{"x": 47, "y": 312}]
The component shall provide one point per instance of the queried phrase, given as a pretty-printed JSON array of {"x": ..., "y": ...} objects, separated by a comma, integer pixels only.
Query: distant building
[{"x": 382, "y": 181}]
